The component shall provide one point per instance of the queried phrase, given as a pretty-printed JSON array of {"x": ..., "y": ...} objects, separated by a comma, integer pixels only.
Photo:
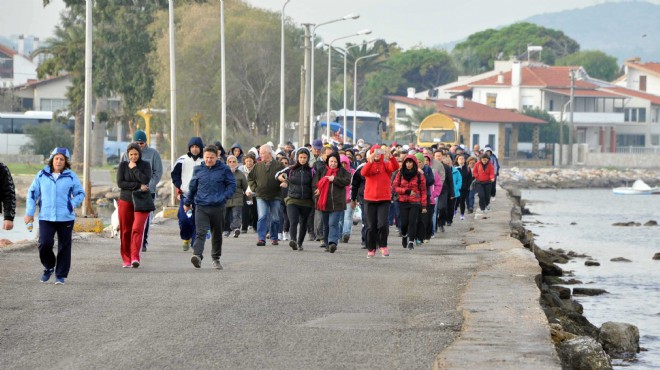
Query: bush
[{"x": 45, "y": 137}]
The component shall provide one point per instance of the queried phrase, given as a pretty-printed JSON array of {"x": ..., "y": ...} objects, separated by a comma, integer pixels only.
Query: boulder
[
  {"x": 651, "y": 223},
  {"x": 572, "y": 282},
  {"x": 630, "y": 223},
  {"x": 583, "y": 353},
  {"x": 591, "y": 263},
  {"x": 589, "y": 291},
  {"x": 550, "y": 269},
  {"x": 656, "y": 256},
  {"x": 100, "y": 191},
  {"x": 564, "y": 293},
  {"x": 112, "y": 195},
  {"x": 619, "y": 340},
  {"x": 620, "y": 259},
  {"x": 558, "y": 334},
  {"x": 576, "y": 255}
]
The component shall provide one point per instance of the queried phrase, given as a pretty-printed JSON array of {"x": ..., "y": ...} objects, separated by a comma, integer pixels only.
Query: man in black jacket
[
  {"x": 446, "y": 194},
  {"x": 8, "y": 194}
]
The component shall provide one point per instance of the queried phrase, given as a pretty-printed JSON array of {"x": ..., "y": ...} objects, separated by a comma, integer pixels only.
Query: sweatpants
[
  {"x": 186, "y": 224},
  {"x": 131, "y": 231},
  {"x": 493, "y": 189},
  {"x": 298, "y": 214},
  {"x": 483, "y": 190},
  {"x": 47, "y": 231},
  {"x": 410, "y": 213},
  {"x": 209, "y": 217},
  {"x": 461, "y": 201},
  {"x": 377, "y": 223}
]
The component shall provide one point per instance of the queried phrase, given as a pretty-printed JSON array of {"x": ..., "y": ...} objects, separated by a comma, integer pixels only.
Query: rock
[
  {"x": 558, "y": 334},
  {"x": 100, "y": 191},
  {"x": 552, "y": 280},
  {"x": 591, "y": 263},
  {"x": 550, "y": 269},
  {"x": 651, "y": 223},
  {"x": 572, "y": 282},
  {"x": 564, "y": 293},
  {"x": 656, "y": 256},
  {"x": 583, "y": 353},
  {"x": 5, "y": 242},
  {"x": 619, "y": 340},
  {"x": 620, "y": 259},
  {"x": 589, "y": 291},
  {"x": 576, "y": 255},
  {"x": 573, "y": 223},
  {"x": 630, "y": 223},
  {"x": 112, "y": 195}
]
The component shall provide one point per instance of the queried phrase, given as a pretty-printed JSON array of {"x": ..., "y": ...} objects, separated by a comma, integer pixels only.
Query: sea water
[{"x": 581, "y": 221}]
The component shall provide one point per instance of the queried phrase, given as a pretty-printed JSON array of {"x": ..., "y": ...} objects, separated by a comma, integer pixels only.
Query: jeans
[
  {"x": 186, "y": 224},
  {"x": 348, "y": 220},
  {"x": 209, "y": 217},
  {"x": 298, "y": 214},
  {"x": 264, "y": 208},
  {"x": 470, "y": 199},
  {"x": 331, "y": 229}
]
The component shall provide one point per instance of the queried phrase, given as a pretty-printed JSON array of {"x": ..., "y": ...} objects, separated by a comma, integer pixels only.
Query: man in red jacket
[
  {"x": 484, "y": 176},
  {"x": 377, "y": 173}
]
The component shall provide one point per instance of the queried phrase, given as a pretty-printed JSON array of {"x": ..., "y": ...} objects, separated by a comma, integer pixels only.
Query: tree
[
  {"x": 45, "y": 137},
  {"x": 412, "y": 122},
  {"x": 549, "y": 133},
  {"x": 596, "y": 63},
  {"x": 490, "y": 45},
  {"x": 419, "y": 68}
]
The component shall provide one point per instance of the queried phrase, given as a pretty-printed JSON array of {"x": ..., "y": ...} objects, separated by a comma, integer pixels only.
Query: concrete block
[{"x": 88, "y": 225}]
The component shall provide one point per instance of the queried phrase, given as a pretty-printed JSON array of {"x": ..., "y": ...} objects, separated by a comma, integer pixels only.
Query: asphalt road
[{"x": 270, "y": 307}]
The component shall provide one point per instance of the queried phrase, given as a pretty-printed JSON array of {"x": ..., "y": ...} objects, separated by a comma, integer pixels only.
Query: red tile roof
[
  {"x": 34, "y": 83},
  {"x": 471, "y": 111},
  {"x": 7, "y": 51},
  {"x": 654, "y": 99},
  {"x": 652, "y": 67},
  {"x": 538, "y": 76}
]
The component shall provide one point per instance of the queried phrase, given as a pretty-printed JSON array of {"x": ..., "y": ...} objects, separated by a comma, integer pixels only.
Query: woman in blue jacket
[{"x": 57, "y": 191}]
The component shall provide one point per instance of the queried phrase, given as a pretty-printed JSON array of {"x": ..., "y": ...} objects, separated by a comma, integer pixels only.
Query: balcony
[{"x": 586, "y": 118}]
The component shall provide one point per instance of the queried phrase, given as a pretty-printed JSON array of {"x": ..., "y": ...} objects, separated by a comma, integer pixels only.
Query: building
[
  {"x": 44, "y": 95},
  {"x": 15, "y": 68},
  {"x": 640, "y": 76}
]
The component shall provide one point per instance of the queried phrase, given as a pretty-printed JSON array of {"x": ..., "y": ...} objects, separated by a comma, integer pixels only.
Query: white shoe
[
  {"x": 285, "y": 236},
  {"x": 279, "y": 236},
  {"x": 492, "y": 198}
]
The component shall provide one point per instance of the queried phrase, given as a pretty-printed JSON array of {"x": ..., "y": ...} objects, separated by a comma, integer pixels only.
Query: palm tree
[{"x": 411, "y": 123}]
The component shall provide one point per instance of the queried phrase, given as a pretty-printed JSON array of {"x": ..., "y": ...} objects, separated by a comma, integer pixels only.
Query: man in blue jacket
[{"x": 211, "y": 185}]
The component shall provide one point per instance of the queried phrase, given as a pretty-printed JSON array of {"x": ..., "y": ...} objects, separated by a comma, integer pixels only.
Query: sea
[{"x": 581, "y": 220}]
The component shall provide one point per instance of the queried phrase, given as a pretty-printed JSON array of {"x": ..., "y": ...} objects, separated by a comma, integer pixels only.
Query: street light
[
  {"x": 359, "y": 33},
  {"x": 172, "y": 97},
  {"x": 223, "y": 82},
  {"x": 345, "y": 56},
  {"x": 311, "y": 95},
  {"x": 282, "y": 79},
  {"x": 355, "y": 93}
]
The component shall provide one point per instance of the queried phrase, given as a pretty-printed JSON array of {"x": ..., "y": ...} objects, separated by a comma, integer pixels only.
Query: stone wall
[
  {"x": 22, "y": 158},
  {"x": 623, "y": 160}
]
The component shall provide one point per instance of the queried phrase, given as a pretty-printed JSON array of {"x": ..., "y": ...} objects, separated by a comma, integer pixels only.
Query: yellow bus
[{"x": 435, "y": 129}]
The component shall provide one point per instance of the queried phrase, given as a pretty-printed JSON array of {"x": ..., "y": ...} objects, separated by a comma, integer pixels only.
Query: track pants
[{"x": 131, "y": 231}]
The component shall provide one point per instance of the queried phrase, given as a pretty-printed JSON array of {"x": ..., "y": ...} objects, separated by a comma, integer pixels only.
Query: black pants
[
  {"x": 443, "y": 211},
  {"x": 462, "y": 200},
  {"x": 209, "y": 217},
  {"x": 310, "y": 223},
  {"x": 146, "y": 227},
  {"x": 451, "y": 207},
  {"x": 493, "y": 189},
  {"x": 410, "y": 213},
  {"x": 298, "y": 214},
  {"x": 377, "y": 223},
  {"x": 250, "y": 215},
  {"x": 61, "y": 263},
  {"x": 483, "y": 190}
]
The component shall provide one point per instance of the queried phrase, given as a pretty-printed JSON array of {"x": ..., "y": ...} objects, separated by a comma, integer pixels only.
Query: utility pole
[
  {"x": 570, "y": 118},
  {"x": 305, "y": 124}
]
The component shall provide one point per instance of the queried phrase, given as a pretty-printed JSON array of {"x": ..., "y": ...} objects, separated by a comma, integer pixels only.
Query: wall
[{"x": 22, "y": 158}]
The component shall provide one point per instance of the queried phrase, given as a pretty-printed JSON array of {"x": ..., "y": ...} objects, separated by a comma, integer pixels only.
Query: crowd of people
[{"x": 286, "y": 193}]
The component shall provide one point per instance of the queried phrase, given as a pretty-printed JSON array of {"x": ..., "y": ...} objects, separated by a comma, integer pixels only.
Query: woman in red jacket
[
  {"x": 411, "y": 187},
  {"x": 377, "y": 173},
  {"x": 484, "y": 176}
]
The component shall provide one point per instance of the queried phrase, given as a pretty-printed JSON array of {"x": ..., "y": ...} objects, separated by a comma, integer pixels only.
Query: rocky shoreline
[
  {"x": 579, "y": 344},
  {"x": 567, "y": 178}
]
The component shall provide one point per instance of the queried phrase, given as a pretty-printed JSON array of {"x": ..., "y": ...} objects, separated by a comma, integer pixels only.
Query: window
[
  {"x": 551, "y": 108},
  {"x": 53, "y": 105},
  {"x": 6, "y": 68},
  {"x": 491, "y": 100},
  {"x": 630, "y": 140},
  {"x": 634, "y": 114},
  {"x": 401, "y": 113},
  {"x": 491, "y": 142},
  {"x": 642, "y": 83},
  {"x": 655, "y": 140},
  {"x": 475, "y": 139}
]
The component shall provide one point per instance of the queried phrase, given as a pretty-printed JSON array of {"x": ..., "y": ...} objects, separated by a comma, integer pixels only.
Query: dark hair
[
  {"x": 67, "y": 164},
  {"x": 484, "y": 156},
  {"x": 249, "y": 156},
  {"x": 211, "y": 148},
  {"x": 135, "y": 146}
]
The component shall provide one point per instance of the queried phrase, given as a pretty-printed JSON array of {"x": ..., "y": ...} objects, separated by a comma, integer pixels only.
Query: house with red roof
[
  {"x": 642, "y": 76},
  {"x": 15, "y": 68},
  {"x": 477, "y": 123}
]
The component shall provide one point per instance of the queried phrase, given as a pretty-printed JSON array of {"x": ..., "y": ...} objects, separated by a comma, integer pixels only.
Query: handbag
[{"x": 142, "y": 201}]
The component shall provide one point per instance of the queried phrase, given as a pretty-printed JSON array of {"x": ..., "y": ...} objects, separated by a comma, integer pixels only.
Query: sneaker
[
  {"x": 226, "y": 234},
  {"x": 345, "y": 238},
  {"x": 261, "y": 243},
  {"x": 492, "y": 198},
  {"x": 442, "y": 228},
  {"x": 470, "y": 210},
  {"x": 426, "y": 241},
  {"x": 144, "y": 248},
  {"x": 332, "y": 248},
  {"x": 285, "y": 236},
  {"x": 404, "y": 241},
  {"x": 322, "y": 245},
  {"x": 448, "y": 223},
  {"x": 274, "y": 242},
  {"x": 384, "y": 251},
  {"x": 411, "y": 246},
  {"x": 196, "y": 261},
  {"x": 300, "y": 248},
  {"x": 311, "y": 238},
  {"x": 135, "y": 264},
  {"x": 216, "y": 264},
  {"x": 237, "y": 232},
  {"x": 59, "y": 281},
  {"x": 462, "y": 217},
  {"x": 46, "y": 275},
  {"x": 128, "y": 265},
  {"x": 186, "y": 245},
  {"x": 293, "y": 245},
  {"x": 487, "y": 208},
  {"x": 371, "y": 254},
  {"x": 280, "y": 236}
]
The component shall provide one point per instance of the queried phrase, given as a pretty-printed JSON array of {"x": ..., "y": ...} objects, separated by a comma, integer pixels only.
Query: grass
[{"x": 32, "y": 169}]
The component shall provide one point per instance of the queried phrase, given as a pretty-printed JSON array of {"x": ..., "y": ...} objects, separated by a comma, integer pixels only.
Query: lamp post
[
  {"x": 223, "y": 82},
  {"x": 355, "y": 93},
  {"x": 571, "y": 74},
  {"x": 345, "y": 57},
  {"x": 311, "y": 95},
  {"x": 327, "y": 117},
  {"x": 172, "y": 98},
  {"x": 86, "y": 207},
  {"x": 282, "y": 78}
]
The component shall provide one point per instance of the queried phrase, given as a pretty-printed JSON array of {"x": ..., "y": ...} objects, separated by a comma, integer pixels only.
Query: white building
[{"x": 15, "y": 68}]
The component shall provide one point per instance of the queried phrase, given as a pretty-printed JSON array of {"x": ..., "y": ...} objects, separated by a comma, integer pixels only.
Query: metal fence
[{"x": 637, "y": 150}]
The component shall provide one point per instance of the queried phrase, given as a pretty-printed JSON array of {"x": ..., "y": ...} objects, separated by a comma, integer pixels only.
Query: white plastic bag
[{"x": 357, "y": 215}]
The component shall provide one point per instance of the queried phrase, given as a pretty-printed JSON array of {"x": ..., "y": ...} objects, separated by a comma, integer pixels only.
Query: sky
[{"x": 408, "y": 22}]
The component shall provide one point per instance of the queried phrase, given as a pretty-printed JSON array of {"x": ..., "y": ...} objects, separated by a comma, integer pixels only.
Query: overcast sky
[{"x": 408, "y": 22}]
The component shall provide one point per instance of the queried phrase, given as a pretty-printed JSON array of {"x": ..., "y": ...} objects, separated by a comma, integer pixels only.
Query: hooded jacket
[
  {"x": 377, "y": 175},
  {"x": 130, "y": 179},
  {"x": 184, "y": 165},
  {"x": 239, "y": 157},
  {"x": 56, "y": 198},
  {"x": 8, "y": 196},
  {"x": 458, "y": 181},
  {"x": 417, "y": 185},
  {"x": 211, "y": 186},
  {"x": 337, "y": 189},
  {"x": 241, "y": 186}
]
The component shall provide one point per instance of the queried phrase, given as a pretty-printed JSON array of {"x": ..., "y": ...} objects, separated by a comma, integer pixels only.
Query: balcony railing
[
  {"x": 590, "y": 117},
  {"x": 638, "y": 150}
]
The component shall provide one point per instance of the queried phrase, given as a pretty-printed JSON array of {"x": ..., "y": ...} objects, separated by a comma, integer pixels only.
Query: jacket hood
[
  {"x": 196, "y": 140},
  {"x": 412, "y": 158},
  {"x": 426, "y": 156},
  {"x": 344, "y": 159},
  {"x": 236, "y": 145}
]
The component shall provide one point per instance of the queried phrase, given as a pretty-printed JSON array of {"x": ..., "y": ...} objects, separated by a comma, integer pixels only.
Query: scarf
[
  {"x": 408, "y": 174},
  {"x": 323, "y": 185}
]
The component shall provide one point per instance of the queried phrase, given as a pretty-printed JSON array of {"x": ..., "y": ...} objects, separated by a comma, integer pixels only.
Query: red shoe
[
  {"x": 384, "y": 251},
  {"x": 371, "y": 253},
  {"x": 275, "y": 242}
]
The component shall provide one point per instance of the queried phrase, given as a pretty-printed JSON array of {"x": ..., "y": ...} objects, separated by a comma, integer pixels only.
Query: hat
[
  {"x": 63, "y": 151},
  {"x": 405, "y": 147},
  {"x": 270, "y": 143},
  {"x": 420, "y": 157},
  {"x": 360, "y": 143},
  {"x": 317, "y": 144},
  {"x": 140, "y": 135},
  {"x": 462, "y": 146}
]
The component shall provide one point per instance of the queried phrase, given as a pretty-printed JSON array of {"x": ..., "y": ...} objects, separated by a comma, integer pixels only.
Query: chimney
[
  {"x": 500, "y": 78},
  {"x": 411, "y": 92},
  {"x": 21, "y": 45},
  {"x": 460, "y": 101},
  {"x": 35, "y": 46},
  {"x": 516, "y": 73}
]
